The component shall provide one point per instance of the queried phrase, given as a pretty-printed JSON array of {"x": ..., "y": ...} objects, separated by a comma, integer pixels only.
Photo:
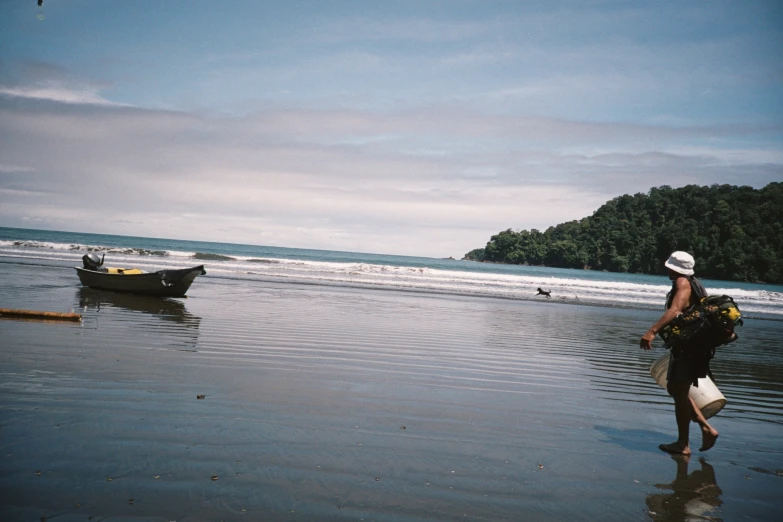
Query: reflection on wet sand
[
  {"x": 694, "y": 496},
  {"x": 167, "y": 309},
  {"x": 139, "y": 311}
]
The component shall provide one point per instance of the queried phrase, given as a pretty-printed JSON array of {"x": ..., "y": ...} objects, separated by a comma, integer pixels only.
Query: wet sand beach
[{"x": 326, "y": 403}]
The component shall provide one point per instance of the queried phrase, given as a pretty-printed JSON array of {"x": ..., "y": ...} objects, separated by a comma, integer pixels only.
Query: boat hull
[{"x": 164, "y": 283}]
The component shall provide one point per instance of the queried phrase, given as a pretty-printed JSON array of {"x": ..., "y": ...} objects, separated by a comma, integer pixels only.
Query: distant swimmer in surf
[{"x": 542, "y": 292}]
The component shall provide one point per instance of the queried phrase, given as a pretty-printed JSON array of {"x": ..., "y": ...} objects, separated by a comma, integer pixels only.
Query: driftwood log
[{"x": 35, "y": 314}]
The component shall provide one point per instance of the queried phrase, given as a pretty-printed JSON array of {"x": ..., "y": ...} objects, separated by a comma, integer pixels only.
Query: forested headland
[{"x": 734, "y": 233}]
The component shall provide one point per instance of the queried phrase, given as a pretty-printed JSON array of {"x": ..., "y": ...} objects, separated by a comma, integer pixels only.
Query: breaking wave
[
  {"x": 212, "y": 257},
  {"x": 130, "y": 251},
  {"x": 422, "y": 275}
]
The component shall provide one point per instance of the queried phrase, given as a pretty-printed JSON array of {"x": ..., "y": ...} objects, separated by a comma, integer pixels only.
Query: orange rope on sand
[{"x": 34, "y": 314}]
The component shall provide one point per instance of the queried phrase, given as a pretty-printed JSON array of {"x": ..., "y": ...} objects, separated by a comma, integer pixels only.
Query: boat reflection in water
[
  {"x": 694, "y": 496},
  {"x": 160, "y": 322}
]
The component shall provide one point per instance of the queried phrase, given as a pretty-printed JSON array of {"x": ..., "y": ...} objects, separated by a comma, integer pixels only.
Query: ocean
[{"x": 379, "y": 271}]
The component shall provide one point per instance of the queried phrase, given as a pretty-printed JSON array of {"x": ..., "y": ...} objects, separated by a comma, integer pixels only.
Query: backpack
[{"x": 709, "y": 323}]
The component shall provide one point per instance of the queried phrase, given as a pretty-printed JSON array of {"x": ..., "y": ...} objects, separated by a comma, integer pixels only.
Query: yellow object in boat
[{"x": 124, "y": 271}]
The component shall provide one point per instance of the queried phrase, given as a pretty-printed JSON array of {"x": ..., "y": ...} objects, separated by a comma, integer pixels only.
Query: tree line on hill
[{"x": 734, "y": 233}]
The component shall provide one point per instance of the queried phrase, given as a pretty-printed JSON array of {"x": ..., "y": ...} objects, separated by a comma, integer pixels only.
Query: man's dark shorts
[{"x": 688, "y": 367}]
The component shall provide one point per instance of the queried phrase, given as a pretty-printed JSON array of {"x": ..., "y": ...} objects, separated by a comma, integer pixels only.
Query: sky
[{"x": 414, "y": 128}]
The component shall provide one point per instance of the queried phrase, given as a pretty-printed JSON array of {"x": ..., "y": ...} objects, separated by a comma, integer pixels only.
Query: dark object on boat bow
[{"x": 91, "y": 261}]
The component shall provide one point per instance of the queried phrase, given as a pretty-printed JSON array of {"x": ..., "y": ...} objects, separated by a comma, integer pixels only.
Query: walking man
[{"x": 687, "y": 365}]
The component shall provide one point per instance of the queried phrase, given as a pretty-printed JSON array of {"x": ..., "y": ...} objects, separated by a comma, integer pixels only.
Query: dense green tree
[{"x": 735, "y": 233}]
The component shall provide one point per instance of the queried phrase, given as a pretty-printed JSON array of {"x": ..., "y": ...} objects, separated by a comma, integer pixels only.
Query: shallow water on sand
[{"x": 326, "y": 403}]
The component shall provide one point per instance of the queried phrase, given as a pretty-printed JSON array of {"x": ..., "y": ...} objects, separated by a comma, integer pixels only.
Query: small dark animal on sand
[{"x": 541, "y": 292}]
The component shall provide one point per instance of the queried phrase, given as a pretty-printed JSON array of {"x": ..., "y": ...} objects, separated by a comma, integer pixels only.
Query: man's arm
[{"x": 681, "y": 299}]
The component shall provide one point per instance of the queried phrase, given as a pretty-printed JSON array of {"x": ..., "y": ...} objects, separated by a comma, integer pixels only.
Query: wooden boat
[{"x": 163, "y": 283}]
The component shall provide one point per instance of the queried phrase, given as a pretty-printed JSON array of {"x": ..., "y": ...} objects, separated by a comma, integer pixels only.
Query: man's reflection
[{"x": 693, "y": 497}]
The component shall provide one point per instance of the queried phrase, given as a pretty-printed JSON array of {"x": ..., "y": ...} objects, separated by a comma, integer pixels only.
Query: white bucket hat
[{"x": 681, "y": 262}]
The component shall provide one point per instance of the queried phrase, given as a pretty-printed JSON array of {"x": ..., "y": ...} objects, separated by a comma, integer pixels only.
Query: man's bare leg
[
  {"x": 709, "y": 435},
  {"x": 683, "y": 410}
]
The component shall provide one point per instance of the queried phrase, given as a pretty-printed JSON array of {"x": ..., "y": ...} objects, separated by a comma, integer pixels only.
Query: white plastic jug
[{"x": 707, "y": 396}]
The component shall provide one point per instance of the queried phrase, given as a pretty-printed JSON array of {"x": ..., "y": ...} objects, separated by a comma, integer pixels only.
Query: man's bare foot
[
  {"x": 675, "y": 449},
  {"x": 708, "y": 438}
]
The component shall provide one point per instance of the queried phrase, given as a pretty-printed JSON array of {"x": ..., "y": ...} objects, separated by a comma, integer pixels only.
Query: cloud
[
  {"x": 14, "y": 168},
  {"x": 44, "y": 81},
  {"x": 58, "y": 94},
  {"x": 432, "y": 181}
]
